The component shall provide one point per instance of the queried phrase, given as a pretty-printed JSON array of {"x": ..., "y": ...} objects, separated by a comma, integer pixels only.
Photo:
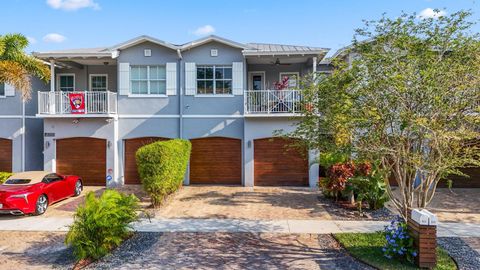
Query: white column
[
  {"x": 314, "y": 68},
  {"x": 313, "y": 175},
  {"x": 52, "y": 76}
]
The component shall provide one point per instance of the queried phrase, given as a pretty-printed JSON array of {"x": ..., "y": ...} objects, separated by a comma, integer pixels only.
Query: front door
[{"x": 256, "y": 80}]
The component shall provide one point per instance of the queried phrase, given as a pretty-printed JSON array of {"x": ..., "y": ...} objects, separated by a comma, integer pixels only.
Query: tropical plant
[
  {"x": 399, "y": 243},
  {"x": 4, "y": 176},
  {"x": 408, "y": 97},
  {"x": 101, "y": 224},
  {"x": 162, "y": 166},
  {"x": 369, "y": 185},
  {"x": 16, "y": 67}
]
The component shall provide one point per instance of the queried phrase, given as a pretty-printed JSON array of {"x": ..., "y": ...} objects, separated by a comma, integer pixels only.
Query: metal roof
[{"x": 265, "y": 48}]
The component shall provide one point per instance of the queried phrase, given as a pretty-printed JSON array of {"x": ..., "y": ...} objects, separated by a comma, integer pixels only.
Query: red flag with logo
[{"x": 77, "y": 103}]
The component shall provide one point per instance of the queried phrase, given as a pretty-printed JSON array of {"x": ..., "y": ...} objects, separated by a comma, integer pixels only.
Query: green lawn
[{"x": 367, "y": 247}]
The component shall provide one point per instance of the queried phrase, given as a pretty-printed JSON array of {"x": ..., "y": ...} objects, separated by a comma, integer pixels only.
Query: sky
[{"x": 65, "y": 24}]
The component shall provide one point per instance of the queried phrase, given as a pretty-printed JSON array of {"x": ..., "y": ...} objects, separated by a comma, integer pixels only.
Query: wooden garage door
[
  {"x": 131, "y": 147},
  {"x": 277, "y": 164},
  {"x": 216, "y": 160},
  {"x": 5, "y": 155},
  {"x": 85, "y": 157}
]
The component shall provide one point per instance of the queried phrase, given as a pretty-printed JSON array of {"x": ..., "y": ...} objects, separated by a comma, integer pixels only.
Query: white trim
[
  {"x": 135, "y": 116},
  {"x": 141, "y": 39},
  {"x": 213, "y": 116},
  {"x": 148, "y": 80},
  {"x": 318, "y": 53},
  {"x": 11, "y": 117},
  {"x": 210, "y": 38},
  {"x": 147, "y": 96},
  {"x": 250, "y": 79},
  {"x": 90, "y": 80},
  {"x": 58, "y": 80},
  {"x": 213, "y": 95}
]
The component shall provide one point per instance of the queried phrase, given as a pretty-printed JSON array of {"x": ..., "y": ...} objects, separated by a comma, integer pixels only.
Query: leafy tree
[
  {"x": 408, "y": 98},
  {"x": 16, "y": 66}
]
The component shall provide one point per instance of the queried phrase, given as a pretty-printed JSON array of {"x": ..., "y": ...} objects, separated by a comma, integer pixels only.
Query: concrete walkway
[{"x": 52, "y": 224}]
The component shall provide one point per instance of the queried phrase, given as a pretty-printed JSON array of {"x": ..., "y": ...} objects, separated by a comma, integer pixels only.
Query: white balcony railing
[
  {"x": 58, "y": 103},
  {"x": 273, "y": 101}
]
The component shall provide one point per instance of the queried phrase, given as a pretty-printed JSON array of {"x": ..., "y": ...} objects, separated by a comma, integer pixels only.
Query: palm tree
[{"x": 16, "y": 67}]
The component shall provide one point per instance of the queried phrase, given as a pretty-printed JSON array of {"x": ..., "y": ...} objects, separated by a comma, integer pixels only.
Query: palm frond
[{"x": 17, "y": 76}]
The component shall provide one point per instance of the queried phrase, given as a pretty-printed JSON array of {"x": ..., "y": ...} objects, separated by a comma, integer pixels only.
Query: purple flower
[{"x": 414, "y": 254}]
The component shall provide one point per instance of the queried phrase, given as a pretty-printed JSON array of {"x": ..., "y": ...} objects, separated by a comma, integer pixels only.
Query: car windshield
[{"x": 17, "y": 181}]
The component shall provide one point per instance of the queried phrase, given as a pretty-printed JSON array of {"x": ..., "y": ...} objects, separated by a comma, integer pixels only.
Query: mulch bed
[{"x": 343, "y": 210}]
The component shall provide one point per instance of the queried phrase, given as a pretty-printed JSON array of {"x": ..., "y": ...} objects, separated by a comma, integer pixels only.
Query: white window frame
[
  {"x": 4, "y": 95},
  {"x": 282, "y": 74},
  {"x": 250, "y": 79},
  {"x": 65, "y": 74},
  {"x": 97, "y": 75},
  {"x": 214, "y": 94},
  {"x": 148, "y": 82}
]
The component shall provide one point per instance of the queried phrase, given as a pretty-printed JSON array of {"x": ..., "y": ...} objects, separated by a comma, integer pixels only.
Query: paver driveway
[{"x": 244, "y": 203}]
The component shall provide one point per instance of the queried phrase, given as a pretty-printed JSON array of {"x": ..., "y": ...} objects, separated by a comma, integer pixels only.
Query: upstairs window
[
  {"x": 98, "y": 82},
  {"x": 148, "y": 80},
  {"x": 66, "y": 82},
  {"x": 214, "y": 80},
  {"x": 2, "y": 89}
]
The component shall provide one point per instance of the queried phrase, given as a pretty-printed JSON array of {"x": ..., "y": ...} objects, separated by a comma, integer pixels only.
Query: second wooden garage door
[
  {"x": 5, "y": 155},
  {"x": 216, "y": 160},
  {"x": 131, "y": 147},
  {"x": 277, "y": 164},
  {"x": 85, "y": 157}
]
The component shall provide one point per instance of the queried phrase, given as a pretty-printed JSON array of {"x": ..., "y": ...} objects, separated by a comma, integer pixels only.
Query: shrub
[
  {"x": 369, "y": 185},
  {"x": 337, "y": 177},
  {"x": 101, "y": 224},
  {"x": 162, "y": 166},
  {"x": 4, "y": 176},
  {"x": 399, "y": 243}
]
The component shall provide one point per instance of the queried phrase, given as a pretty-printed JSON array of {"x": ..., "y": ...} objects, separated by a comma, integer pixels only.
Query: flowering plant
[
  {"x": 283, "y": 84},
  {"x": 399, "y": 242}
]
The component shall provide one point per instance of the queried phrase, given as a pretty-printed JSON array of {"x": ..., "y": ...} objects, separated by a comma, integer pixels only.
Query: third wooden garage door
[
  {"x": 5, "y": 155},
  {"x": 85, "y": 157},
  {"x": 277, "y": 164},
  {"x": 216, "y": 160},
  {"x": 131, "y": 147}
]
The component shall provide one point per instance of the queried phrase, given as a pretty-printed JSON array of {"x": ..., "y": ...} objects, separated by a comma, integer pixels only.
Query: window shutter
[
  {"x": 9, "y": 90},
  {"x": 190, "y": 79},
  {"x": 237, "y": 78},
  {"x": 123, "y": 79},
  {"x": 171, "y": 79}
]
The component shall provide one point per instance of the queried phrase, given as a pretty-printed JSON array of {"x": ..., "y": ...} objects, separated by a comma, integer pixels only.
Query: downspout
[
  {"x": 180, "y": 103},
  {"x": 23, "y": 135}
]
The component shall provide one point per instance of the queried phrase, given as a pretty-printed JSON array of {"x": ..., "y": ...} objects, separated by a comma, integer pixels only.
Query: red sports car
[{"x": 33, "y": 192}]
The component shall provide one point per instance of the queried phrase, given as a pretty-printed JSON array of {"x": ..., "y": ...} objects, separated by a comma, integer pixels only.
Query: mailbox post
[{"x": 422, "y": 226}]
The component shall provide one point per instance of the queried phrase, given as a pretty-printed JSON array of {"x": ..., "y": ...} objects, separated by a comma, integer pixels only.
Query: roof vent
[{"x": 147, "y": 52}]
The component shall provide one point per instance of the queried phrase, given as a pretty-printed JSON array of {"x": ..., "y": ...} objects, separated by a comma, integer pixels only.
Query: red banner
[{"x": 77, "y": 103}]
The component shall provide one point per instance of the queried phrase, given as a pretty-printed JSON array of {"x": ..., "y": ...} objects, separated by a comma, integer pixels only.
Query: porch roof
[{"x": 282, "y": 49}]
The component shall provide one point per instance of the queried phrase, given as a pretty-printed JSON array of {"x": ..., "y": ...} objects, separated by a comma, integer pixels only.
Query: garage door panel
[
  {"x": 216, "y": 160},
  {"x": 85, "y": 157},
  {"x": 131, "y": 146},
  {"x": 6, "y": 160},
  {"x": 277, "y": 164}
]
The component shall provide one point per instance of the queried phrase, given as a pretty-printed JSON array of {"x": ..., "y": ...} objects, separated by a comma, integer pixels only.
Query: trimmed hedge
[
  {"x": 162, "y": 166},
  {"x": 4, "y": 176}
]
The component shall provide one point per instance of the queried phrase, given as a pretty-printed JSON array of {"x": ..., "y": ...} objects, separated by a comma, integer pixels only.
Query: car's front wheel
[
  {"x": 78, "y": 188},
  {"x": 41, "y": 205}
]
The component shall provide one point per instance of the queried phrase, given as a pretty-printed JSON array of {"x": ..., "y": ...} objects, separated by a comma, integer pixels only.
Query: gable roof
[
  {"x": 281, "y": 49},
  {"x": 210, "y": 38},
  {"x": 141, "y": 39}
]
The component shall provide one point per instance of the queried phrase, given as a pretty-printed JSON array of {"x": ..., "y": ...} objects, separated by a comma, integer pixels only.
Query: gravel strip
[
  {"x": 338, "y": 212},
  {"x": 465, "y": 257}
]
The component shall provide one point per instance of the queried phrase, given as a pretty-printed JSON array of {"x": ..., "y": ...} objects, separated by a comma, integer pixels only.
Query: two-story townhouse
[
  {"x": 21, "y": 132},
  {"x": 217, "y": 93}
]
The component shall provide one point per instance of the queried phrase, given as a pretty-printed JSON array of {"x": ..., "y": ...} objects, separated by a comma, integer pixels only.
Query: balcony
[
  {"x": 273, "y": 102},
  {"x": 96, "y": 104}
]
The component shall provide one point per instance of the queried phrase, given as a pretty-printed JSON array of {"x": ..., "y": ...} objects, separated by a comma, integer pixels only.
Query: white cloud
[
  {"x": 32, "y": 40},
  {"x": 204, "y": 30},
  {"x": 54, "y": 37},
  {"x": 431, "y": 13},
  {"x": 73, "y": 4}
]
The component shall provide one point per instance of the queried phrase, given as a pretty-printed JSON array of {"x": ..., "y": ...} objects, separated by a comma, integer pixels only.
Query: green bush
[
  {"x": 162, "y": 166},
  {"x": 4, "y": 176},
  {"x": 101, "y": 224}
]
